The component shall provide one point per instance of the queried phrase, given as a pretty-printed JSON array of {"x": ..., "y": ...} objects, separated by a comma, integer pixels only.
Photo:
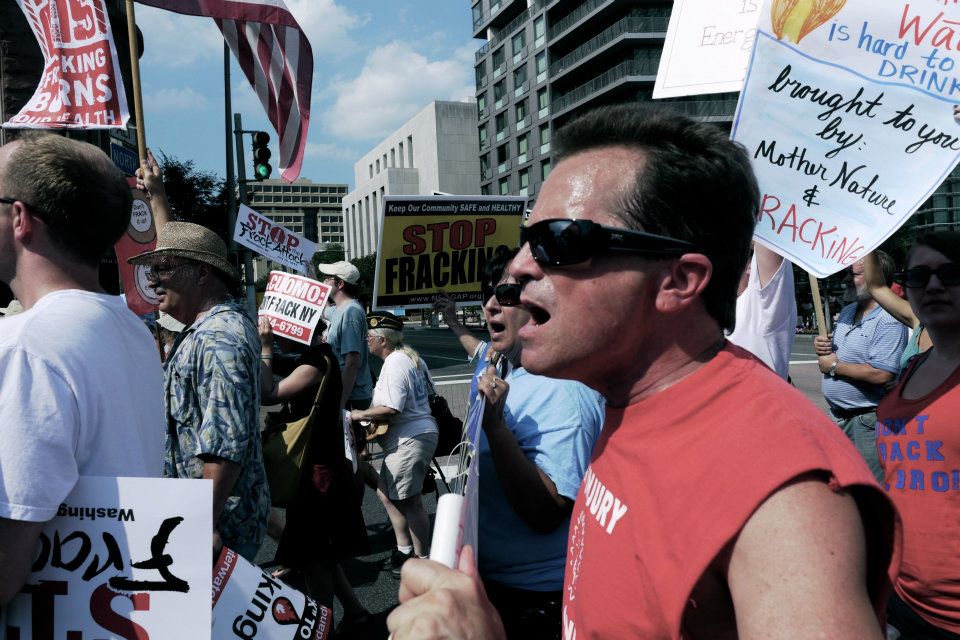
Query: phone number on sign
[{"x": 287, "y": 328}]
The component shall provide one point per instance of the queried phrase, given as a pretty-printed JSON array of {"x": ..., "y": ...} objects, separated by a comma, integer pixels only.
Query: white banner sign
[
  {"x": 294, "y": 305},
  {"x": 847, "y": 113},
  {"x": 273, "y": 241},
  {"x": 708, "y": 46},
  {"x": 124, "y": 558},
  {"x": 249, "y": 603}
]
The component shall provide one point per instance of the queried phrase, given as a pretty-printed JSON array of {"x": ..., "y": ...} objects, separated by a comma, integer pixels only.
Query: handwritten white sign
[
  {"x": 847, "y": 112},
  {"x": 273, "y": 241},
  {"x": 708, "y": 46},
  {"x": 123, "y": 558},
  {"x": 294, "y": 305}
]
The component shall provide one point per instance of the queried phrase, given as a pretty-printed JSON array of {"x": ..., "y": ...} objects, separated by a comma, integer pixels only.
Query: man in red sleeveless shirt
[{"x": 719, "y": 502}]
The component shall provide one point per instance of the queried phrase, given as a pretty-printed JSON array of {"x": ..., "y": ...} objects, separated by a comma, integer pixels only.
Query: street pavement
[{"x": 369, "y": 574}]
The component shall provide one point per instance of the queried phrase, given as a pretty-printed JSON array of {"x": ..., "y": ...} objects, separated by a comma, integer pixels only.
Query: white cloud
[
  {"x": 394, "y": 84},
  {"x": 186, "y": 98},
  {"x": 174, "y": 40},
  {"x": 330, "y": 151},
  {"x": 327, "y": 26}
]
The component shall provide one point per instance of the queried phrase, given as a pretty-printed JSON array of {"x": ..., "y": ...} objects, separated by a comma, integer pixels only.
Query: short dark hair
[
  {"x": 494, "y": 268},
  {"x": 887, "y": 266},
  {"x": 81, "y": 196},
  {"x": 945, "y": 242},
  {"x": 693, "y": 184},
  {"x": 349, "y": 288}
]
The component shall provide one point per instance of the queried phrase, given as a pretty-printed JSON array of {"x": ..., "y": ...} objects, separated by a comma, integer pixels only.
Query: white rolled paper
[{"x": 448, "y": 529}]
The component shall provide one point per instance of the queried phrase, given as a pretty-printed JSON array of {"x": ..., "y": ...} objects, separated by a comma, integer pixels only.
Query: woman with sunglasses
[
  {"x": 533, "y": 451},
  {"x": 918, "y": 441},
  {"x": 897, "y": 307}
]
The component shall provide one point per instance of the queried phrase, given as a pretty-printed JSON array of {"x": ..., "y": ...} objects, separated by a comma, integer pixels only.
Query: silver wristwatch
[{"x": 833, "y": 369}]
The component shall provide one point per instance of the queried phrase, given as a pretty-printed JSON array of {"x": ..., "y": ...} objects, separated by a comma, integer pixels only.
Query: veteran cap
[{"x": 384, "y": 320}]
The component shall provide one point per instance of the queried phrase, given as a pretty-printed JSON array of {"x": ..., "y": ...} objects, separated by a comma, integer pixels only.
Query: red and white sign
[
  {"x": 272, "y": 240},
  {"x": 141, "y": 236},
  {"x": 81, "y": 86},
  {"x": 250, "y": 603},
  {"x": 294, "y": 305},
  {"x": 123, "y": 558}
]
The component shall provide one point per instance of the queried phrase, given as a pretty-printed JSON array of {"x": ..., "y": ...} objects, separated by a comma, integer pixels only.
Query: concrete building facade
[
  {"x": 436, "y": 150},
  {"x": 310, "y": 209}
]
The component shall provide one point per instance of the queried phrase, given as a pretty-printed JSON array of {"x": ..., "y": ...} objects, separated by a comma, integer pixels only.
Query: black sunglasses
[
  {"x": 561, "y": 241},
  {"x": 37, "y": 212},
  {"x": 948, "y": 274},
  {"x": 508, "y": 293}
]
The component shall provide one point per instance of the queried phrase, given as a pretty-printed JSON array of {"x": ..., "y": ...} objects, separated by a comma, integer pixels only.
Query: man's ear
[
  {"x": 683, "y": 282},
  {"x": 24, "y": 222},
  {"x": 203, "y": 273}
]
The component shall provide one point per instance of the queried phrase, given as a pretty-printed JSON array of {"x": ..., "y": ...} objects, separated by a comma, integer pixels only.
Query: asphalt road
[{"x": 371, "y": 579}]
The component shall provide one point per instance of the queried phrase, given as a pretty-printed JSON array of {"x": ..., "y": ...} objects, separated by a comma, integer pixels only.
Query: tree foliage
[{"x": 195, "y": 195}]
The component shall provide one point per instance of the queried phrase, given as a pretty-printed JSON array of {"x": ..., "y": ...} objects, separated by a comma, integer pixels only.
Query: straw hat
[{"x": 192, "y": 241}]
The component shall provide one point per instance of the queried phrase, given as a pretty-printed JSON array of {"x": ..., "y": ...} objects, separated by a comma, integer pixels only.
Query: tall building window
[
  {"x": 482, "y": 131},
  {"x": 524, "y": 180},
  {"x": 477, "y": 12},
  {"x": 521, "y": 113},
  {"x": 519, "y": 41},
  {"x": 480, "y": 72},
  {"x": 484, "y": 189},
  {"x": 503, "y": 154},
  {"x": 501, "y": 124},
  {"x": 523, "y": 147},
  {"x": 410, "y": 151},
  {"x": 544, "y": 138},
  {"x": 482, "y": 104},
  {"x": 499, "y": 91},
  {"x": 393, "y": 157},
  {"x": 400, "y": 148},
  {"x": 541, "y": 62},
  {"x": 519, "y": 79},
  {"x": 484, "y": 166},
  {"x": 499, "y": 61},
  {"x": 543, "y": 103},
  {"x": 539, "y": 31},
  {"x": 504, "y": 185},
  {"x": 545, "y": 167}
]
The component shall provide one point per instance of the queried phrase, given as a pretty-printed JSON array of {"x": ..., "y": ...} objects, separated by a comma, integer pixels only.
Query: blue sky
[{"x": 376, "y": 63}]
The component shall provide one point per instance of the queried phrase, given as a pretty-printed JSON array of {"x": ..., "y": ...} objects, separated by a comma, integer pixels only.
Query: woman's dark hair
[{"x": 945, "y": 242}]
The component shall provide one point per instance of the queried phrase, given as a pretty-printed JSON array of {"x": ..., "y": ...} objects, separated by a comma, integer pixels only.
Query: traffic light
[{"x": 261, "y": 156}]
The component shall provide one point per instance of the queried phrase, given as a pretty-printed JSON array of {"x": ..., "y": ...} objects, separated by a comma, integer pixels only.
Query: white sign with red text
[
  {"x": 250, "y": 603},
  {"x": 273, "y": 241},
  {"x": 123, "y": 558},
  {"x": 294, "y": 305},
  {"x": 847, "y": 115},
  {"x": 81, "y": 86}
]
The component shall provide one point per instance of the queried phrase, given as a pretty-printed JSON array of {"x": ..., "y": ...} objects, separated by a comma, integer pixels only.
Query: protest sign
[
  {"x": 123, "y": 558},
  {"x": 429, "y": 243},
  {"x": 272, "y": 240},
  {"x": 81, "y": 86},
  {"x": 847, "y": 113},
  {"x": 141, "y": 236},
  {"x": 294, "y": 305},
  {"x": 250, "y": 603},
  {"x": 707, "y": 48}
]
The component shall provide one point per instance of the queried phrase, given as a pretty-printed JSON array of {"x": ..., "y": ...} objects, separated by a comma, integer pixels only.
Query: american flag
[{"x": 275, "y": 56}]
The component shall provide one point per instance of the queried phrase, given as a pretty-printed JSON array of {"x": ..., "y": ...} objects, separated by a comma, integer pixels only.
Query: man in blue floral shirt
[{"x": 212, "y": 382}]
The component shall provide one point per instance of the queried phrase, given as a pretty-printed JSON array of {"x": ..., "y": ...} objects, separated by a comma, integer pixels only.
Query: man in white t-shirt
[
  {"x": 81, "y": 388},
  {"x": 767, "y": 310}
]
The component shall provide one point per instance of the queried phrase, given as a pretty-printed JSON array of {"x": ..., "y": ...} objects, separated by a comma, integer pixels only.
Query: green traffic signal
[{"x": 261, "y": 155}]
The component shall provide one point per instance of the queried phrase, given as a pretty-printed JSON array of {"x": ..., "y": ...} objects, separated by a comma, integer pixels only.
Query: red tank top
[
  {"x": 919, "y": 446},
  {"x": 675, "y": 477}
]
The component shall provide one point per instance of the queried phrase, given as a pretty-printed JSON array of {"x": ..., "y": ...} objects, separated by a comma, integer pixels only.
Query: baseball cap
[{"x": 342, "y": 269}]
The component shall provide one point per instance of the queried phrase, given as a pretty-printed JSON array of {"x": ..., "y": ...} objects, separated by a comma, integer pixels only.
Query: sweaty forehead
[{"x": 588, "y": 185}]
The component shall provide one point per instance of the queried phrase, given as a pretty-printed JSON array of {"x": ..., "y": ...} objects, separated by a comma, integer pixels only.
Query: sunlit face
[
  {"x": 376, "y": 344},
  {"x": 936, "y": 304},
  {"x": 589, "y": 319},
  {"x": 859, "y": 281}
]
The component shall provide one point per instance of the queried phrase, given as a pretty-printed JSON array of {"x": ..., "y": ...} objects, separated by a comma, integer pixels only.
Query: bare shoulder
[{"x": 799, "y": 566}]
